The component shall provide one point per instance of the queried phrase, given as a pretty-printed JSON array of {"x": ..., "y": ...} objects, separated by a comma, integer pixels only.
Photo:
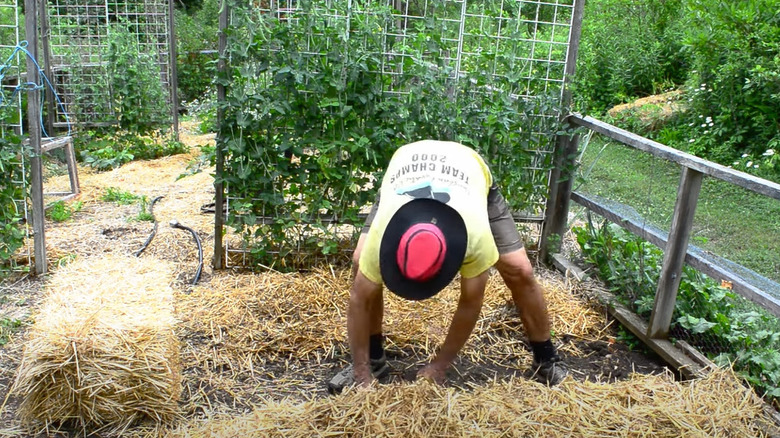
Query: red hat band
[{"x": 421, "y": 252}]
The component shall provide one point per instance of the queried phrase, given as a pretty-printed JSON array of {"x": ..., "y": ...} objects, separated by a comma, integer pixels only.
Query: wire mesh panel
[
  {"x": 83, "y": 40},
  {"x": 362, "y": 78},
  {"x": 16, "y": 241}
]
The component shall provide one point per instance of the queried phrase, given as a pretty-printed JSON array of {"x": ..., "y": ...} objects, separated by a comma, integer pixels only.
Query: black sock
[
  {"x": 375, "y": 348},
  {"x": 543, "y": 351}
]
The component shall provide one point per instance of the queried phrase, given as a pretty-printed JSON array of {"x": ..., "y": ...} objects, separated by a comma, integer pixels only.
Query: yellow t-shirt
[{"x": 449, "y": 172}]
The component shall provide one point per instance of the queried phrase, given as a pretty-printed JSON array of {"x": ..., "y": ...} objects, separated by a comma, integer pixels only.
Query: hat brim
[{"x": 454, "y": 230}]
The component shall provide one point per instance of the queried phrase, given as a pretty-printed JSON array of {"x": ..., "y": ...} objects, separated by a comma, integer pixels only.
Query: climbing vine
[
  {"x": 319, "y": 98},
  {"x": 12, "y": 192}
]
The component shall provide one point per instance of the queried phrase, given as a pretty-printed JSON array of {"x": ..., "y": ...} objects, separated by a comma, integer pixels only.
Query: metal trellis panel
[{"x": 79, "y": 33}]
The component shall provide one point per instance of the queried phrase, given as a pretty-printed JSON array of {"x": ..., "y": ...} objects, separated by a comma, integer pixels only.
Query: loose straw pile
[
  {"x": 102, "y": 353},
  {"x": 645, "y": 406},
  {"x": 250, "y": 318}
]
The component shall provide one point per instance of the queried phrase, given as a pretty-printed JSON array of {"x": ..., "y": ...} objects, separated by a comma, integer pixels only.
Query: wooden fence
[{"x": 752, "y": 286}]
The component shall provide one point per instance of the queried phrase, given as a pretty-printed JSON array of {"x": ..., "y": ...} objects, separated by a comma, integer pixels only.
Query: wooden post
[
  {"x": 674, "y": 256},
  {"x": 219, "y": 198},
  {"x": 34, "y": 132},
  {"x": 173, "y": 80},
  {"x": 559, "y": 194},
  {"x": 51, "y": 106}
]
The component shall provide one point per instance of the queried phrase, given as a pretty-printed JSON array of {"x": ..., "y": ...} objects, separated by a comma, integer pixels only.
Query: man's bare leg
[{"x": 527, "y": 293}]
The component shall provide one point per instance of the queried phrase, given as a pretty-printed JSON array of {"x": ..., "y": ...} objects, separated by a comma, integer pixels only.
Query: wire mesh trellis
[
  {"x": 11, "y": 126},
  {"x": 79, "y": 34},
  {"x": 527, "y": 43}
]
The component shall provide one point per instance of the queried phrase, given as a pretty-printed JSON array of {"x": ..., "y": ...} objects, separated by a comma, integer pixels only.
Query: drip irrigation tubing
[
  {"x": 154, "y": 230},
  {"x": 176, "y": 224}
]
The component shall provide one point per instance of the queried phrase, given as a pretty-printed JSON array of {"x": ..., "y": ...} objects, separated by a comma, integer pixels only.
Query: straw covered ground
[{"x": 255, "y": 348}]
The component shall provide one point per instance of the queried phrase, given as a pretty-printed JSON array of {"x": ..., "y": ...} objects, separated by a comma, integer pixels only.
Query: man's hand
[
  {"x": 434, "y": 372},
  {"x": 472, "y": 291}
]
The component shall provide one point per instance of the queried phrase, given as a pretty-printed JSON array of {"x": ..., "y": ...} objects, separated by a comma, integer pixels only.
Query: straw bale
[
  {"x": 102, "y": 353},
  {"x": 645, "y": 406}
]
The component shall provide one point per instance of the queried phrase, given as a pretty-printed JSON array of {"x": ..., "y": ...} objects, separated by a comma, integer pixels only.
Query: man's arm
[
  {"x": 472, "y": 292},
  {"x": 362, "y": 293}
]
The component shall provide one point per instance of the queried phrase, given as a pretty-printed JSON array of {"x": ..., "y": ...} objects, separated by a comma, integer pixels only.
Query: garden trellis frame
[
  {"x": 74, "y": 38},
  {"x": 10, "y": 26},
  {"x": 553, "y": 29}
]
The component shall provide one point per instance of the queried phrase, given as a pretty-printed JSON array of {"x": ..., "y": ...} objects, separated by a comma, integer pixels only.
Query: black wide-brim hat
[{"x": 453, "y": 228}]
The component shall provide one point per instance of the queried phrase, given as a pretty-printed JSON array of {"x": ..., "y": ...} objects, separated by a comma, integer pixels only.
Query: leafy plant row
[
  {"x": 12, "y": 193},
  {"x": 726, "y": 327},
  {"x": 319, "y": 100}
]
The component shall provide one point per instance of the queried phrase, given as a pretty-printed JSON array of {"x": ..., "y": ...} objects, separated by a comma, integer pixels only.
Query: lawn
[{"x": 730, "y": 222}]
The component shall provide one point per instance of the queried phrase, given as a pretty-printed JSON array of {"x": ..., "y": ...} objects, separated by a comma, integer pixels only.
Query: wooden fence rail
[{"x": 746, "y": 283}]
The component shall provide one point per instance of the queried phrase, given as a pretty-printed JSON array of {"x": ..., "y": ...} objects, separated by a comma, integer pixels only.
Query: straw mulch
[
  {"x": 109, "y": 228},
  {"x": 102, "y": 352},
  {"x": 645, "y": 406},
  {"x": 250, "y": 320}
]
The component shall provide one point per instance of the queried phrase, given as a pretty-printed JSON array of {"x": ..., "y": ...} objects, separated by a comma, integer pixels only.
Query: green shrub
[
  {"x": 8, "y": 326},
  {"x": 104, "y": 151},
  {"x": 312, "y": 116},
  {"x": 629, "y": 49},
  {"x": 60, "y": 211},
  {"x": 734, "y": 89},
  {"x": 140, "y": 100},
  {"x": 119, "y": 196},
  {"x": 197, "y": 30},
  {"x": 144, "y": 215}
]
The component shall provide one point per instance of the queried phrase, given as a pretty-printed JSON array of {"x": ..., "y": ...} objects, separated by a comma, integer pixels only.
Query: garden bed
[{"x": 257, "y": 347}]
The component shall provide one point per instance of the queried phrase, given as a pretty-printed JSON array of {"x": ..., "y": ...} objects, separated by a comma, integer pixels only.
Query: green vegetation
[
  {"x": 300, "y": 88},
  {"x": 8, "y": 326},
  {"x": 630, "y": 49},
  {"x": 60, "y": 211},
  {"x": 723, "y": 55},
  {"x": 731, "y": 222},
  {"x": 103, "y": 150},
  {"x": 139, "y": 99},
  {"x": 144, "y": 214},
  {"x": 121, "y": 197},
  {"x": 728, "y": 328},
  {"x": 12, "y": 231},
  {"x": 197, "y": 31}
]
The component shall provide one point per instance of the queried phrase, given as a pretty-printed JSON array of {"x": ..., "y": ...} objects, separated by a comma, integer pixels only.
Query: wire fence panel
[
  {"x": 362, "y": 78},
  {"x": 81, "y": 40},
  {"x": 16, "y": 242}
]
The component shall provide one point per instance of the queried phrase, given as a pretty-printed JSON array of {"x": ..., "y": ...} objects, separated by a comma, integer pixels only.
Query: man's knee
[{"x": 515, "y": 266}]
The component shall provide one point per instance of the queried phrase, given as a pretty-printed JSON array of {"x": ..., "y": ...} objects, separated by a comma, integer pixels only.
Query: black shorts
[{"x": 502, "y": 225}]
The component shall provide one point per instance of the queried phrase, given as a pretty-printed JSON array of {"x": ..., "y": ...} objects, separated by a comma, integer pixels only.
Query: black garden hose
[
  {"x": 176, "y": 224},
  {"x": 154, "y": 230}
]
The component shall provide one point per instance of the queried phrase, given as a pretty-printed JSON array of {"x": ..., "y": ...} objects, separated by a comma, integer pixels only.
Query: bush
[
  {"x": 312, "y": 117},
  {"x": 140, "y": 100},
  {"x": 734, "y": 89},
  {"x": 59, "y": 211},
  {"x": 12, "y": 233},
  {"x": 103, "y": 151},
  {"x": 629, "y": 49}
]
